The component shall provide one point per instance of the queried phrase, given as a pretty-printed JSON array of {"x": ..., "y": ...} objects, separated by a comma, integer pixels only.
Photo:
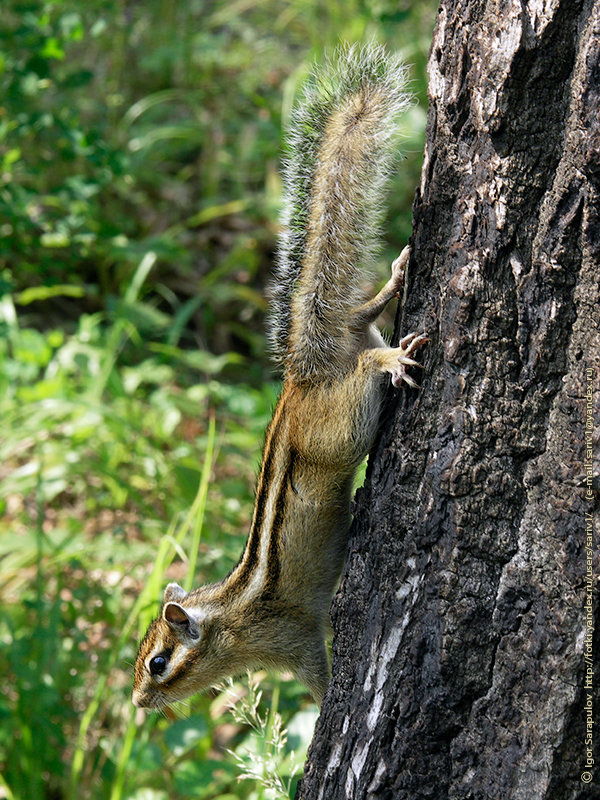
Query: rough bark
[{"x": 461, "y": 641}]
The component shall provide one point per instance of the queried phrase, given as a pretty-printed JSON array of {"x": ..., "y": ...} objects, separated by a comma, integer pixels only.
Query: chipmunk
[{"x": 272, "y": 610}]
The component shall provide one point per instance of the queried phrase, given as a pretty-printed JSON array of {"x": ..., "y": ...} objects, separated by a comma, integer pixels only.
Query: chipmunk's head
[{"x": 186, "y": 649}]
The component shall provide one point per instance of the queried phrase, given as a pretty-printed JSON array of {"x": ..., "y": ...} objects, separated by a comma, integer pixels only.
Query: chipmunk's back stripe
[
  {"x": 250, "y": 560},
  {"x": 273, "y": 557},
  {"x": 250, "y": 557}
]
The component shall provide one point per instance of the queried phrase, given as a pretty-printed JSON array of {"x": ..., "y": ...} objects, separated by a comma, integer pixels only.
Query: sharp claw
[
  {"x": 404, "y": 342},
  {"x": 413, "y": 340},
  {"x": 400, "y": 377},
  {"x": 409, "y": 344},
  {"x": 410, "y": 362}
]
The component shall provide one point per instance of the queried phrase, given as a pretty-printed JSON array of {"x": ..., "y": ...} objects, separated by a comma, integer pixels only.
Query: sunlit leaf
[{"x": 185, "y": 733}]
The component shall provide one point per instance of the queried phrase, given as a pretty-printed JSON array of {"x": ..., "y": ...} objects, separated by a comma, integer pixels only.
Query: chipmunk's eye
[{"x": 157, "y": 665}]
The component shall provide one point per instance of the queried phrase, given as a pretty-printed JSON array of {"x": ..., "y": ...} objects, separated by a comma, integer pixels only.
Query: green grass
[{"x": 115, "y": 480}]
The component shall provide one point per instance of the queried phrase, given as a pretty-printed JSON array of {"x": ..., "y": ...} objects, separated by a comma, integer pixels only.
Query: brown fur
[{"x": 272, "y": 609}]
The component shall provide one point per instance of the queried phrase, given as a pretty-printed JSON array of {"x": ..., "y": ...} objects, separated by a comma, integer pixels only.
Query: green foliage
[{"x": 139, "y": 192}]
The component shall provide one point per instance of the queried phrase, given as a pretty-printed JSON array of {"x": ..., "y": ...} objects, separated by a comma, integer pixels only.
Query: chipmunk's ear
[
  {"x": 180, "y": 620},
  {"x": 174, "y": 592}
]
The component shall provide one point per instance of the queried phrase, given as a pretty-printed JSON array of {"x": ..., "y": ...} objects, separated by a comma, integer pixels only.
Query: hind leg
[{"x": 369, "y": 311}]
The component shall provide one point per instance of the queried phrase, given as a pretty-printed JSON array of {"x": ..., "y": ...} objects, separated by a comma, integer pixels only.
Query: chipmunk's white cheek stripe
[
  {"x": 175, "y": 660},
  {"x": 180, "y": 651}
]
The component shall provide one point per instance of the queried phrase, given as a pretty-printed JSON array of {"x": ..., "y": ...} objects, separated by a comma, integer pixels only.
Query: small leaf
[
  {"x": 52, "y": 49},
  {"x": 11, "y": 157},
  {"x": 185, "y": 733},
  {"x": 72, "y": 26},
  {"x": 54, "y": 239}
]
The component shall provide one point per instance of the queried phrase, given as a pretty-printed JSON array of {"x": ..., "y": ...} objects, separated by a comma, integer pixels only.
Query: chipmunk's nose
[{"x": 137, "y": 698}]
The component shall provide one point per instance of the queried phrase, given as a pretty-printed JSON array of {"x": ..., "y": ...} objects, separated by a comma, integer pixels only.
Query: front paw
[
  {"x": 404, "y": 352},
  {"x": 399, "y": 268}
]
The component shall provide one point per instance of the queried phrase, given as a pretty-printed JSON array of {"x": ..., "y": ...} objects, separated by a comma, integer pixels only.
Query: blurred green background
[{"x": 139, "y": 194}]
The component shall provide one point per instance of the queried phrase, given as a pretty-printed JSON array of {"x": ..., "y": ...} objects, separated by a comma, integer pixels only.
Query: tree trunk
[{"x": 463, "y": 626}]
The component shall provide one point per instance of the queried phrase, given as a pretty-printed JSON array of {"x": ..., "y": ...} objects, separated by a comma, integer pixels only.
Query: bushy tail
[{"x": 339, "y": 150}]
